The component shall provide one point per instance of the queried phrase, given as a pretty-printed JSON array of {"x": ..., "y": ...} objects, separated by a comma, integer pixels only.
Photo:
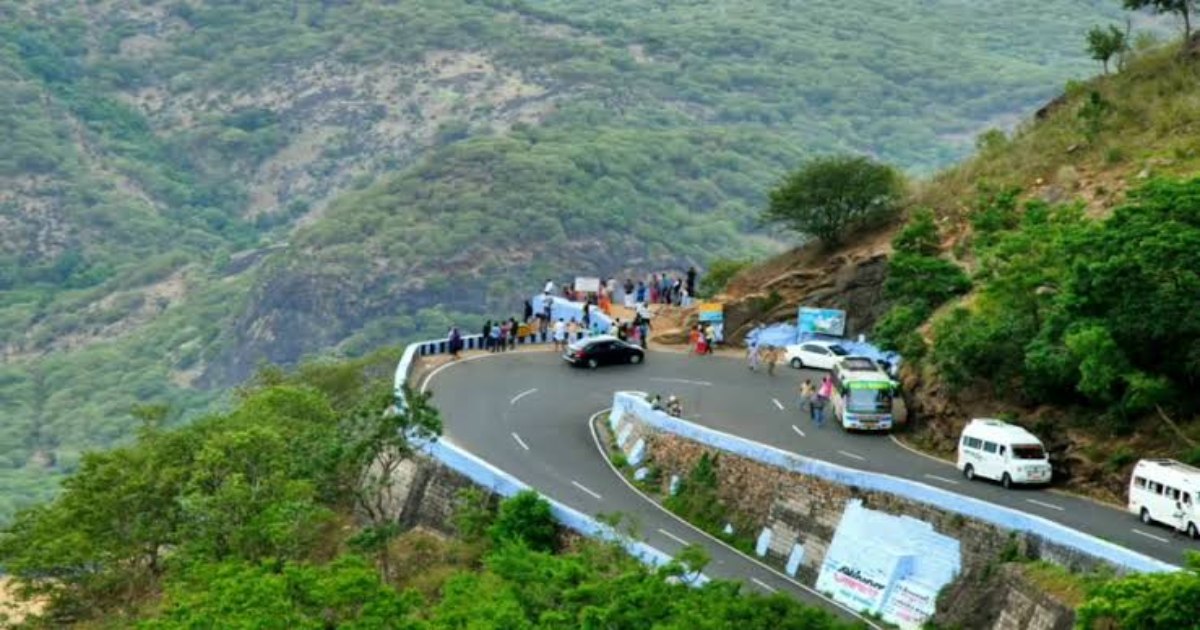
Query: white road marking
[
  {"x": 672, "y": 536},
  {"x": 777, "y": 403},
  {"x": 942, "y": 479},
  {"x": 1150, "y": 536},
  {"x": 898, "y": 442},
  {"x": 521, "y": 395},
  {"x": 520, "y": 441},
  {"x": 853, "y": 456},
  {"x": 797, "y": 430},
  {"x": 585, "y": 489},
  {"x": 764, "y": 585},
  {"x": 680, "y": 380},
  {"x": 1045, "y": 505}
]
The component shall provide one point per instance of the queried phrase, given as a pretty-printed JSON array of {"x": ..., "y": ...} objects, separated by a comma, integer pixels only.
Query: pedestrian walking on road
[
  {"x": 807, "y": 391},
  {"x": 818, "y": 409},
  {"x": 572, "y": 330},
  {"x": 772, "y": 357},
  {"x": 752, "y": 355},
  {"x": 455, "y": 342}
]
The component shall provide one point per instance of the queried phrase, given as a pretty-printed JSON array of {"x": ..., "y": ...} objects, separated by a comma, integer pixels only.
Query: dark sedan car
[{"x": 602, "y": 350}]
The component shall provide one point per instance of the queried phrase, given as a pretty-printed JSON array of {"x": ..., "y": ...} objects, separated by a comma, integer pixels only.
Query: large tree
[
  {"x": 1183, "y": 7},
  {"x": 830, "y": 196}
]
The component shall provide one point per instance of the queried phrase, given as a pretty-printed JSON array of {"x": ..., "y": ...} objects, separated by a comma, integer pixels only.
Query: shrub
[{"x": 525, "y": 518}]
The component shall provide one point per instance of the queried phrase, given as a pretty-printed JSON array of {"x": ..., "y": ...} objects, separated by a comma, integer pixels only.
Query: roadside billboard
[
  {"x": 711, "y": 312},
  {"x": 587, "y": 285},
  {"x": 823, "y": 321}
]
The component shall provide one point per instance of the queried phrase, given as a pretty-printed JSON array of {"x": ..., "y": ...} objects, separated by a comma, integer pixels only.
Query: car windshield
[
  {"x": 869, "y": 400},
  {"x": 838, "y": 350},
  {"x": 1028, "y": 451}
]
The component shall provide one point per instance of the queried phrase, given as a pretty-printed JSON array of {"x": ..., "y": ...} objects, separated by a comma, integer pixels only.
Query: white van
[
  {"x": 1165, "y": 491},
  {"x": 1004, "y": 452}
]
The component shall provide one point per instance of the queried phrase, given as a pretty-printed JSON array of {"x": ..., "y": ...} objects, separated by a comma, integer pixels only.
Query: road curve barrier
[
  {"x": 1008, "y": 518},
  {"x": 488, "y": 476}
]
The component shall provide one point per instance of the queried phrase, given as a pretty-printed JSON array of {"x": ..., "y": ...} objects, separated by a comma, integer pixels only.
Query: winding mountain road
[{"x": 528, "y": 414}]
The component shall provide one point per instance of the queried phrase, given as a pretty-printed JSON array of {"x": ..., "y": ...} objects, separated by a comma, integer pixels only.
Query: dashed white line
[
  {"x": 520, "y": 441},
  {"x": 586, "y": 489},
  {"x": 941, "y": 479},
  {"x": 521, "y": 395},
  {"x": 680, "y": 380},
  {"x": 797, "y": 430},
  {"x": 1150, "y": 536},
  {"x": 672, "y": 536},
  {"x": 764, "y": 585},
  {"x": 853, "y": 456},
  {"x": 777, "y": 403},
  {"x": 1046, "y": 505}
]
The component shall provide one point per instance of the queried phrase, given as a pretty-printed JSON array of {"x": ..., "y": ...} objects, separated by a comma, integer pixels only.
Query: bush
[
  {"x": 525, "y": 518},
  {"x": 718, "y": 275}
]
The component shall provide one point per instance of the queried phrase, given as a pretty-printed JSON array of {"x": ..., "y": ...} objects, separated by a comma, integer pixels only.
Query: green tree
[
  {"x": 1145, "y": 601},
  {"x": 1183, "y": 8},
  {"x": 830, "y": 196},
  {"x": 345, "y": 593},
  {"x": 1103, "y": 43}
]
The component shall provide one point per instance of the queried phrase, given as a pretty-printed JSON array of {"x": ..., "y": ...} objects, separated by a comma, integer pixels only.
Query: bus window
[
  {"x": 1156, "y": 488},
  {"x": 1139, "y": 482},
  {"x": 989, "y": 447},
  {"x": 1187, "y": 498},
  {"x": 1002, "y": 450},
  {"x": 869, "y": 400}
]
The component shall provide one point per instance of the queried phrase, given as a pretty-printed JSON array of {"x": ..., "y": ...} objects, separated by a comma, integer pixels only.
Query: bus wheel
[
  {"x": 1145, "y": 516},
  {"x": 1006, "y": 481},
  {"x": 969, "y": 472},
  {"x": 1192, "y": 532}
]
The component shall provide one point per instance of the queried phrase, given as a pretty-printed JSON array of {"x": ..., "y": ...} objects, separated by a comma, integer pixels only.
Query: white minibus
[
  {"x": 1165, "y": 491},
  {"x": 1003, "y": 452}
]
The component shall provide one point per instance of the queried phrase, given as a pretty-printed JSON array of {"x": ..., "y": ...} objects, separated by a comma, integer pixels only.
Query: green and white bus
[{"x": 863, "y": 395}]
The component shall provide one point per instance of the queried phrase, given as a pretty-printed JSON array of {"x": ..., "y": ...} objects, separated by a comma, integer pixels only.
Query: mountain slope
[{"x": 194, "y": 187}]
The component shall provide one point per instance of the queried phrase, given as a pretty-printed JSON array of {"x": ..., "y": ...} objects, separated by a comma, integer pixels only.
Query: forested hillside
[{"x": 189, "y": 187}]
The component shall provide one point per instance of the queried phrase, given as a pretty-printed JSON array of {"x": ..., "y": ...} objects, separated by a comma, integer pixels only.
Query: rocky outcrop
[
  {"x": 1001, "y": 598},
  {"x": 851, "y": 281}
]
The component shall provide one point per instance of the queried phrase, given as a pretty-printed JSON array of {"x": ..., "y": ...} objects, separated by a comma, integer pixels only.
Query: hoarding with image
[
  {"x": 711, "y": 312},
  {"x": 822, "y": 321}
]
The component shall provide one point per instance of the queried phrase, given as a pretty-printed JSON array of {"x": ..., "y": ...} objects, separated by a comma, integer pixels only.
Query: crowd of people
[
  {"x": 655, "y": 288},
  {"x": 501, "y": 335}
]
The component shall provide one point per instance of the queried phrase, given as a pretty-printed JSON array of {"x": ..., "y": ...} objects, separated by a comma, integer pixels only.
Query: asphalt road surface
[{"x": 527, "y": 413}]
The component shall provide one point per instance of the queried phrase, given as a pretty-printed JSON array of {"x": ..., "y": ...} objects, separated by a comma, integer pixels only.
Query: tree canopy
[{"x": 829, "y": 197}]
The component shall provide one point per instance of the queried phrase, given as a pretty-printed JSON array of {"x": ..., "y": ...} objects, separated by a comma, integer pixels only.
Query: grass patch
[{"x": 1067, "y": 587}]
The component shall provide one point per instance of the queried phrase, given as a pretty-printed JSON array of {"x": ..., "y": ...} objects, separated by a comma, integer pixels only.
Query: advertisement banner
[
  {"x": 712, "y": 312},
  {"x": 910, "y": 605},
  {"x": 587, "y": 285},
  {"x": 824, "y": 321},
  {"x": 857, "y": 587}
]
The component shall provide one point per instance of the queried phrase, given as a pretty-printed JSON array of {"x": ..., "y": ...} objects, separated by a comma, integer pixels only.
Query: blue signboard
[{"x": 822, "y": 321}]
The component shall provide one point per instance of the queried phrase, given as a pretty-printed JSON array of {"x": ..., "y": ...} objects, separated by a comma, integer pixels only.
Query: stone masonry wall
[
  {"x": 425, "y": 493},
  {"x": 803, "y": 510}
]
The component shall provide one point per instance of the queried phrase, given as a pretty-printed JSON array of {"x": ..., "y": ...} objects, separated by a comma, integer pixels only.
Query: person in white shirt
[
  {"x": 549, "y": 290},
  {"x": 560, "y": 334}
]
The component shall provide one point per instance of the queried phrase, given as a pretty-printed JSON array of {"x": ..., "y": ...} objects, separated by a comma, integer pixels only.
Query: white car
[{"x": 819, "y": 355}]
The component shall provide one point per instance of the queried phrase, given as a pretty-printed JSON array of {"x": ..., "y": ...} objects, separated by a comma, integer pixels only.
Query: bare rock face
[
  {"x": 850, "y": 282},
  {"x": 1001, "y": 599}
]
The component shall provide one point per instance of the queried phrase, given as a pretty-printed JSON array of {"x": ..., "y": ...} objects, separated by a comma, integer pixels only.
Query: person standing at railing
[
  {"x": 560, "y": 335},
  {"x": 455, "y": 341},
  {"x": 486, "y": 336},
  {"x": 513, "y": 330},
  {"x": 494, "y": 338}
]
